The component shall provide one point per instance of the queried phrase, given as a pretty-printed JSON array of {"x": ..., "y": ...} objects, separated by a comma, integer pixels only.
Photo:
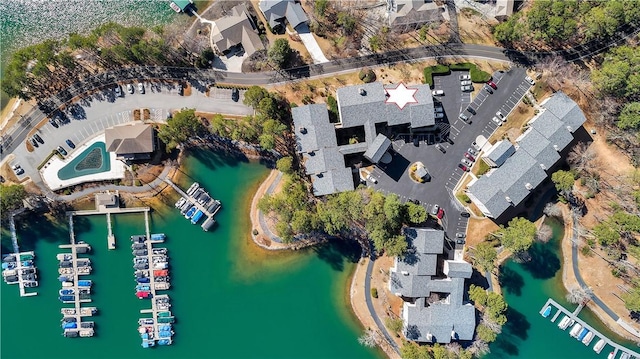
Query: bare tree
[
  {"x": 579, "y": 295},
  {"x": 370, "y": 338},
  {"x": 495, "y": 327},
  {"x": 544, "y": 233},
  {"x": 479, "y": 348},
  {"x": 553, "y": 210},
  {"x": 581, "y": 157}
]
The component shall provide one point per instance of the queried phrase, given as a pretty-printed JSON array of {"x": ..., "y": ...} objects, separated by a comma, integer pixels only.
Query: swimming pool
[{"x": 95, "y": 159}]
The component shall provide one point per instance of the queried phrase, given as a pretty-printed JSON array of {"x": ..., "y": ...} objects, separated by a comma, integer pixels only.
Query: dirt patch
[
  {"x": 186, "y": 91},
  {"x": 474, "y": 29},
  {"x": 478, "y": 229}
]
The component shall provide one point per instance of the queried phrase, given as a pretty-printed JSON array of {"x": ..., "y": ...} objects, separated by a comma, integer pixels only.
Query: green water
[
  {"x": 230, "y": 299},
  {"x": 527, "y": 287},
  {"x": 95, "y": 159}
]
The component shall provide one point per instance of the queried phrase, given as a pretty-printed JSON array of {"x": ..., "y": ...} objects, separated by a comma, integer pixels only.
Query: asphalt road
[{"x": 443, "y": 168}]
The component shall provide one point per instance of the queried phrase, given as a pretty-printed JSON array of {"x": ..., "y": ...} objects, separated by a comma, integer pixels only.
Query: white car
[
  {"x": 466, "y": 88},
  {"x": 497, "y": 121},
  {"x": 140, "y": 88},
  {"x": 466, "y": 162},
  {"x": 465, "y": 77},
  {"x": 465, "y": 82},
  {"x": 501, "y": 116},
  {"x": 372, "y": 179},
  {"x": 437, "y": 92},
  {"x": 130, "y": 88},
  {"x": 530, "y": 80}
]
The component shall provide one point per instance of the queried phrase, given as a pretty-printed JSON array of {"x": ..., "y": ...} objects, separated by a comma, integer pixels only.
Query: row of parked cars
[{"x": 140, "y": 86}]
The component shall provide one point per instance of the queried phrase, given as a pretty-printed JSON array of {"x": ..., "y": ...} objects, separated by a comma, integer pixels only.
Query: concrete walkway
[{"x": 372, "y": 311}]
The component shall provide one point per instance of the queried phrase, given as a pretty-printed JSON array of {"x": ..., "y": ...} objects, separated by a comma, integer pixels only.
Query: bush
[
  {"x": 464, "y": 198},
  {"x": 428, "y": 73},
  {"x": 137, "y": 183},
  {"x": 367, "y": 76},
  {"x": 483, "y": 168},
  {"x": 374, "y": 292},
  {"x": 586, "y": 251}
]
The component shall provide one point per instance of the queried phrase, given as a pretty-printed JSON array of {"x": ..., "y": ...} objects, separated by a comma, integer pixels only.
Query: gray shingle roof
[
  {"x": 415, "y": 11},
  {"x": 336, "y": 180},
  {"x": 499, "y": 152},
  {"x": 274, "y": 10},
  {"x": 236, "y": 29},
  {"x": 425, "y": 240},
  {"x": 457, "y": 269},
  {"x": 410, "y": 286},
  {"x": 377, "y": 148},
  {"x": 318, "y": 131},
  {"x": 323, "y": 160},
  {"x": 418, "y": 263},
  {"x": 538, "y": 151}
]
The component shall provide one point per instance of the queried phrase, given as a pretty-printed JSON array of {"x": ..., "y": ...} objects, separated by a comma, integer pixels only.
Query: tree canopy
[
  {"x": 182, "y": 126},
  {"x": 563, "y": 180},
  {"x": 518, "y": 236},
  {"x": 484, "y": 256},
  {"x": 279, "y": 53},
  {"x": 11, "y": 198},
  {"x": 630, "y": 116}
]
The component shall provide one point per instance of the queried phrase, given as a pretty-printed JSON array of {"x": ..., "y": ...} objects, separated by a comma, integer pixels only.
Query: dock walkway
[
  {"x": 19, "y": 264},
  {"x": 108, "y": 211},
  {"x": 574, "y": 316}
]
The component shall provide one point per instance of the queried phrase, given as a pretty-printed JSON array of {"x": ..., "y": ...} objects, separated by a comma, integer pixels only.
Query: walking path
[{"x": 376, "y": 318}]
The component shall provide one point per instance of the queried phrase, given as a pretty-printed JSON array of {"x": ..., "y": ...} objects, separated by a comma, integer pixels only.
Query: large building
[
  {"x": 276, "y": 11},
  {"x": 236, "y": 29},
  {"x": 363, "y": 115},
  {"x": 408, "y": 15},
  {"x": 131, "y": 142},
  {"x": 537, "y": 151},
  {"x": 432, "y": 288}
]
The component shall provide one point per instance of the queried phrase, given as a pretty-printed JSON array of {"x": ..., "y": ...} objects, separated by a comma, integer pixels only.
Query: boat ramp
[
  {"x": 583, "y": 331},
  {"x": 74, "y": 289},
  {"x": 196, "y": 203},
  {"x": 151, "y": 267}
]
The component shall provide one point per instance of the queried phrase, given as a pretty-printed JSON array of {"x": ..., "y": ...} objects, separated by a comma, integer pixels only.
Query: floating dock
[
  {"x": 583, "y": 331},
  {"x": 152, "y": 275},
  {"x": 18, "y": 267},
  {"x": 196, "y": 203},
  {"x": 75, "y": 290}
]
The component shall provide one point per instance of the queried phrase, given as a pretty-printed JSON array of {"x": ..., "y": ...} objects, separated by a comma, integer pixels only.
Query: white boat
[
  {"x": 624, "y": 355},
  {"x": 611, "y": 355},
  {"x": 575, "y": 330},
  {"x": 564, "y": 323},
  {"x": 587, "y": 338},
  {"x": 599, "y": 345}
]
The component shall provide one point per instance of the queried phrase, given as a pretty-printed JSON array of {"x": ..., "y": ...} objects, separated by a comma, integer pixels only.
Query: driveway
[
  {"x": 311, "y": 44},
  {"x": 443, "y": 167}
]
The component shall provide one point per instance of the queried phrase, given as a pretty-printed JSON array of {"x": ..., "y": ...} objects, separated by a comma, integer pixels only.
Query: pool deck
[{"x": 49, "y": 172}]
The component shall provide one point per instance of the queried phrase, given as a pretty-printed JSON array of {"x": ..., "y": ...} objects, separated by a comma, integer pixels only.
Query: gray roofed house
[
  {"x": 130, "y": 142},
  {"x": 234, "y": 29},
  {"x": 538, "y": 150},
  {"x": 425, "y": 240},
  {"x": 438, "y": 322},
  {"x": 277, "y": 10},
  {"x": 377, "y": 148},
  {"x": 336, "y": 180},
  {"x": 312, "y": 128},
  {"x": 457, "y": 269},
  {"x": 498, "y": 153},
  {"x": 411, "y": 14}
]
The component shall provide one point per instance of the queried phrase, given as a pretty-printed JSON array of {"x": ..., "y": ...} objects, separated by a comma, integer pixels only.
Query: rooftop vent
[
  {"x": 543, "y": 166},
  {"x": 404, "y": 272},
  {"x": 528, "y": 186},
  {"x": 362, "y": 92},
  {"x": 569, "y": 128},
  {"x": 508, "y": 199},
  {"x": 303, "y": 130},
  {"x": 555, "y": 147}
]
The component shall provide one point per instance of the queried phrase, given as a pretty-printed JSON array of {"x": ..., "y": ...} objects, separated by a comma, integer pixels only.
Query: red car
[
  {"x": 463, "y": 167},
  {"x": 492, "y": 84},
  {"x": 440, "y": 213},
  {"x": 468, "y": 155}
]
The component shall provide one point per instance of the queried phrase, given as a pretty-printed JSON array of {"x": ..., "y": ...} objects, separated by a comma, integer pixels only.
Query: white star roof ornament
[{"x": 401, "y": 95}]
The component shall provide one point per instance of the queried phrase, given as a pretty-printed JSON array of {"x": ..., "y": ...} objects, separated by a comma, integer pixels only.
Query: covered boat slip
[
  {"x": 151, "y": 274},
  {"x": 196, "y": 203},
  {"x": 581, "y": 330}
]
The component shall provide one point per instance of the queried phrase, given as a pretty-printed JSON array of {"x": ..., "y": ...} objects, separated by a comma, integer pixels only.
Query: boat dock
[
  {"x": 108, "y": 211},
  {"x": 18, "y": 267},
  {"x": 152, "y": 275},
  {"x": 75, "y": 290},
  {"x": 196, "y": 203},
  {"x": 578, "y": 323}
]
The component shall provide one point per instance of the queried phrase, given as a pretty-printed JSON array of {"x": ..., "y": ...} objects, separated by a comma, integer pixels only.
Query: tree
[
  {"x": 11, "y": 198},
  {"x": 416, "y": 214},
  {"x": 544, "y": 233},
  {"x": 484, "y": 256},
  {"x": 518, "y": 236},
  {"x": 393, "y": 209},
  {"x": 285, "y": 164},
  {"x": 579, "y": 295},
  {"x": 496, "y": 306},
  {"x": 396, "y": 245},
  {"x": 478, "y": 295},
  {"x": 563, "y": 180},
  {"x": 181, "y": 127},
  {"x": 347, "y": 22},
  {"x": 485, "y": 334},
  {"x": 632, "y": 299},
  {"x": 375, "y": 42},
  {"x": 394, "y": 324},
  {"x": 630, "y": 116},
  {"x": 410, "y": 350},
  {"x": 369, "y": 338},
  {"x": 321, "y": 7},
  {"x": 254, "y": 95},
  {"x": 279, "y": 53},
  {"x": 267, "y": 141},
  {"x": 606, "y": 234}
]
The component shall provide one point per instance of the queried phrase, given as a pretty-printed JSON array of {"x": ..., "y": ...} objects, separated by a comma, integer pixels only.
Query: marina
[
  {"x": 18, "y": 267},
  {"x": 196, "y": 203},
  {"x": 75, "y": 290},
  {"x": 151, "y": 275},
  {"x": 582, "y": 331}
]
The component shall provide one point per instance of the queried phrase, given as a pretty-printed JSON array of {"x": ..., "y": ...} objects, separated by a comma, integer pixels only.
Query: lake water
[{"x": 231, "y": 299}]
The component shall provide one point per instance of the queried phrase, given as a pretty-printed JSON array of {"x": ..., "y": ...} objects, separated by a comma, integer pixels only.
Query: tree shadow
[
  {"x": 544, "y": 263},
  {"x": 517, "y": 324},
  {"x": 337, "y": 251},
  {"x": 510, "y": 281},
  {"x": 214, "y": 159}
]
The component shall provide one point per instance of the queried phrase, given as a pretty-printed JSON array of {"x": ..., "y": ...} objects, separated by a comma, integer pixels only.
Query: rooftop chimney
[
  {"x": 528, "y": 186},
  {"x": 508, "y": 199},
  {"x": 543, "y": 166},
  {"x": 555, "y": 147},
  {"x": 569, "y": 128},
  {"x": 362, "y": 92}
]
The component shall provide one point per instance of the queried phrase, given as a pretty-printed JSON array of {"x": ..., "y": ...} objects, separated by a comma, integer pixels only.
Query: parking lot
[{"x": 443, "y": 167}]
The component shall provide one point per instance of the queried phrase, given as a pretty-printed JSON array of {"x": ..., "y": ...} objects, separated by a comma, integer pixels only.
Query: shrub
[
  {"x": 137, "y": 183},
  {"x": 464, "y": 198},
  {"x": 483, "y": 168},
  {"x": 367, "y": 76},
  {"x": 586, "y": 251},
  {"x": 428, "y": 73},
  {"x": 374, "y": 292}
]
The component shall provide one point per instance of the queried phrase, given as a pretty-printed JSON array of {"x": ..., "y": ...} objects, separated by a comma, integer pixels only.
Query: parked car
[
  {"x": 472, "y": 151},
  {"x": 434, "y": 209},
  {"x": 33, "y": 142},
  {"x": 438, "y": 109},
  {"x": 492, "y": 84},
  {"x": 130, "y": 88},
  {"x": 140, "y": 87},
  {"x": 474, "y": 144},
  {"x": 440, "y": 148},
  {"x": 529, "y": 80},
  {"x": 70, "y": 143},
  {"x": 53, "y": 122},
  {"x": 465, "y": 214},
  {"x": 466, "y": 162},
  {"x": 437, "y": 92},
  {"x": 463, "y": 117},
  {"x": 459, "y": 240},
  {"x": 488, "y": 89},
  {"x": 501, "y": 116},
  {"x": 465, "y": 82},
  {"x": 180, "y": 89},
  {"x": 439, "y": 115},
  {"x": 372, "y": 179},
  {"x": 17, "y": 169},
  {"x": 440, "y": 213},
  {"x": 497, "y": 121},
  {"x": 465, "y": 77},
  {"x": 463, "y": 167},
  {"x": 38, "y": 138},
  {"x": 471, "y": 110},
  {"x": 450, "y": 141},
  {"x": 235, "y": 95},
  {"x": 469, "y": 157},
  {"x": 118, "y": 91},
  {"x": 61, "y": 150},
  {"x": 466, "y": 88},
  {"x": 460, "y": 235}
]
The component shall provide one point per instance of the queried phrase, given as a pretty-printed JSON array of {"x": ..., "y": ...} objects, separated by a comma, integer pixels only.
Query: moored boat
[
  {"x": 582, "y": 334},
  {"x": 624, "y": 355},
  {"x": 611, "y": 355},
  {"x": 197, "y": 217},
  {"x": 575, "y": 330},
  {"x": 190, "y": 212},
  {"x": 587, "y": 338},
  {"x": 599, "y": 345},
  {"x": 546, "y": 311},
  {"x": 69, "y": 291},
  {"x": 84, "y": 283}
]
